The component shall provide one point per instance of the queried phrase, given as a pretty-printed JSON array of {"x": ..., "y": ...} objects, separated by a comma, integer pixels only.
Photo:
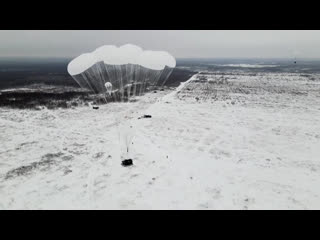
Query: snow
[
  {"x": 247, "y": 65},
  {"x": 256, "y": 149}
]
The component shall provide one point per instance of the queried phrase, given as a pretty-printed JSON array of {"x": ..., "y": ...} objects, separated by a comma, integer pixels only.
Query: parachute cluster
[{"x": 121, "y": 71}]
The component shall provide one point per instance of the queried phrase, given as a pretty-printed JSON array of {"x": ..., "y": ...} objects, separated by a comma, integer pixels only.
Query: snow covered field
[{"x": 219, "y": 141}]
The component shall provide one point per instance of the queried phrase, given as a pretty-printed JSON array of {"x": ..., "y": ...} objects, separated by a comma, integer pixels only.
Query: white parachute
[{"x": 121, "y": 71}]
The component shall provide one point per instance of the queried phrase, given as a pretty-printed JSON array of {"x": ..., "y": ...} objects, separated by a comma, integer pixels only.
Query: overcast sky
[{"x": 202, "y": 44}]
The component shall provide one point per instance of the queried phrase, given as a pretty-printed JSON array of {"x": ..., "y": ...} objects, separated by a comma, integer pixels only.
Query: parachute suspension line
[
  {"x": 144, "y": 78},
  {"x": 102, "y": 75},
  {"x": 119, "y": 77},
  {"x": 87, "y": 81},
  {"x": 134, "y": 79},
  {"x": 101, "y": 83},
  {"x": 96, "y": 73},
  {"x": 158, "y": 77},
  {"x": 90, "y": 76},
  {"x": 166, "y": 76},
  {"x": 127, "y": 80},
  {"x": 137, "y": 75},
  {"x": 105, "y": 79},
  {"x": 110, "y": 77},
  {"x": 79, "y": 82},
  {"x": 130, "y": 78}
]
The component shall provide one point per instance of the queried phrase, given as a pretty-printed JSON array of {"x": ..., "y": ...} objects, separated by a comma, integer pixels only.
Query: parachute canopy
[{"x": 127, "y": 70}]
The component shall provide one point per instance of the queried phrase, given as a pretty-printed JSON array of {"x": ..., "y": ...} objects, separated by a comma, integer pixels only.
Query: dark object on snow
[
  {"x": 145, "y": 116},
  {"x": 95, "y": 107},
  {"x": 295, "y": 62},
  {"x": 127, "y": 162},
  {"x": 154, "y": 91},
  {"x": 161, "y": 89}
]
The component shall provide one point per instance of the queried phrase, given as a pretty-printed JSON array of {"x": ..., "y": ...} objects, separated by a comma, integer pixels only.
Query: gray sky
[{"x": 195, "y": 43}]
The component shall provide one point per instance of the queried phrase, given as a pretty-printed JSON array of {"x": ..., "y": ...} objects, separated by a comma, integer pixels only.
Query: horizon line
[{"x": 178, "y": 58}]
